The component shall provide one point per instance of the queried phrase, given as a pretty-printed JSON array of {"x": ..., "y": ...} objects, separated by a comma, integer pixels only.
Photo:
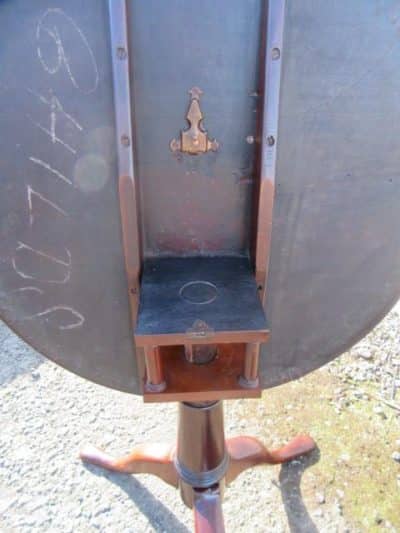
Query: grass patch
[{"x": 355, "y": 468}]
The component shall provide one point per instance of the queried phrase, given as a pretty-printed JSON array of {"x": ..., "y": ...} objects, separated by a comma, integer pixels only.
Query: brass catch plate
[{"x": 194, "y": 140}]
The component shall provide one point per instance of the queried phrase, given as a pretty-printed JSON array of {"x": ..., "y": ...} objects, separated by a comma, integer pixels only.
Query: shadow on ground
[
  {"x": 289, "y": 484},
  {"x": 162, "y": 519},
  {"x": 159, "y": 516}
]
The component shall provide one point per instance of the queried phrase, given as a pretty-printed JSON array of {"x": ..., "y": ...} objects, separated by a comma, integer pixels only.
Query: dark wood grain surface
[
  {"x": 335, "y": 257},
  {"x": 177, "y": 293}
]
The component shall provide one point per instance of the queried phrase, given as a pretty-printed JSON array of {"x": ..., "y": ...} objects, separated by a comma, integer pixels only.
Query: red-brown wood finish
[
  {"x": 207, "y": 510},
  {"x": 247, "y": 452},
  {"x": 194, "y": 383},
  {"x": 202, "y": 462},
  {"x": 131, "y": 240},
  {"x": 154, "y": 369},
  {"x": 156, "y": 459}
]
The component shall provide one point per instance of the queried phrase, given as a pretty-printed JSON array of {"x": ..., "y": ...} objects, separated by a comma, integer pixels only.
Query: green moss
[{"x": 355, "y": 446}]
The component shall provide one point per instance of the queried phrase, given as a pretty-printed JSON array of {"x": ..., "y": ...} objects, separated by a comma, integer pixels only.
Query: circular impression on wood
[{"x": 198, "y": 292}]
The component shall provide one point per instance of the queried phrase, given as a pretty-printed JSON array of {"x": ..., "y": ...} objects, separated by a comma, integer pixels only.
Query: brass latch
[{"x": 195, "y": 139}]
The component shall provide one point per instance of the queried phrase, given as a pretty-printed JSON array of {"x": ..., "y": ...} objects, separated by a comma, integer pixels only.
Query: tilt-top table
[{"x": 198, "y": 201}]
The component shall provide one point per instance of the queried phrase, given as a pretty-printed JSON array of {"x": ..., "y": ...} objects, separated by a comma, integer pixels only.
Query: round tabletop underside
[{"x": 335, "y": 257}]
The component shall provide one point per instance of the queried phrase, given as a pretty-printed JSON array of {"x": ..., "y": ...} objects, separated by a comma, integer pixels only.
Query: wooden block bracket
[{"x": 200, "y": 325}]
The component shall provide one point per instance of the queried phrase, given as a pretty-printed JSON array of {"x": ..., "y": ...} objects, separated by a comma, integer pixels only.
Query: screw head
[
  {"x": 275, "y": 54},
  {"x": 121, "y": 52},
  {"x": 270, "y": 140},
  {"x": 125, "y": 140}
]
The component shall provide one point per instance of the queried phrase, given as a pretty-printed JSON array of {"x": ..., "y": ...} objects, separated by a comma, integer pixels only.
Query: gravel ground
[
  {"x": 47, "y": 414},
  {"x": 375, "y": 359}
]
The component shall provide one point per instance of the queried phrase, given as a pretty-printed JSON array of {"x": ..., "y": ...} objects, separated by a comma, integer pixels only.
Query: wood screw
[
  {"x": 121, "y": 52},
  {"x": 125, "y": 140},
  {"x": 276, "y": 54}
]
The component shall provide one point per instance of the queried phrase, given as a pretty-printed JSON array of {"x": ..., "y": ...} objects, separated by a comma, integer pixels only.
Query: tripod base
[{"x": 202, "y": 462}]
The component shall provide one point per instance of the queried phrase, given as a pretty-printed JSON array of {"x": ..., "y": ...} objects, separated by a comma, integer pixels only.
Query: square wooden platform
[{"x": 199, "y": 301}]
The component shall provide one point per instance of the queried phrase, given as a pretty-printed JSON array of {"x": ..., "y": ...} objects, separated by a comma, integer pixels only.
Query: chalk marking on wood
[
  {"x": 52, "y": 133},
  {"x": 62, "y": 58},
  {"x": 67, "y": 263},
  {"x": 32, "y": 289},
  {"x": 55, "y": 36},
  {"x": 80, "y": 318},
  {"x": 32, "y": 193},
  {"x": 50, "y": 169},
  {"x": 56, "y": 106}
]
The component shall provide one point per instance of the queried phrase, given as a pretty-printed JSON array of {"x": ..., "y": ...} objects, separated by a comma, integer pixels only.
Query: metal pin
[
  {"x": 121, "y": 52},
  {"x": 125, "y": 140},
  {"x": 275, "y": 54}
]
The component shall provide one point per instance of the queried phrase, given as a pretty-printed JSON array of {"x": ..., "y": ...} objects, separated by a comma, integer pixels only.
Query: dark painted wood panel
[
  {"x": 335, "y": 258},
  {"x": 195, "y": 204},
  {"x": 178, "y": 293},
  {"x": 62, "y": 276}
]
